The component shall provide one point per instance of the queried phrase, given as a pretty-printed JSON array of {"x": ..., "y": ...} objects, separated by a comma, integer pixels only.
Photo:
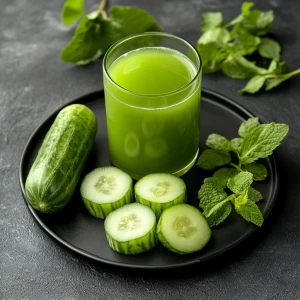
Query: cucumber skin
[
  {"x": 104, "y": 209},
  {"x": 157, "y": 207},
  {"x": 57, "y": 168},
  {"x": 135, "y": 246}
]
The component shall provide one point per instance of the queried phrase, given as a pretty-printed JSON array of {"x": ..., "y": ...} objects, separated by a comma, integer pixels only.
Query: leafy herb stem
[
  {"x": 283, "y": 75},
  {"x": 101, "y": 9},
  {"x": 238, "y": 167}
]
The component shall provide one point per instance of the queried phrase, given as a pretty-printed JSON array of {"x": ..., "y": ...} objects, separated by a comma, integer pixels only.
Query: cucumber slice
[
  {"x": 159, "y": 191},
  {"x": 105, "y": 189},
  {"x": 182, "y": 229},
  {"x": 131, "y": 229}
]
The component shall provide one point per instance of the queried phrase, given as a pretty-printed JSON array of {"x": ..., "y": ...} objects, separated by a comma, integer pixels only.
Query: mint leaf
[
  {"x": 247, "y": 126},
  {"x": 218, "y": 142},
  {"x": 253, "y": 85},
  {"x": 219, "y": 35},
  {"x": 254, "y": 195},
  {"x": 211, "y": 20},
  {"x": 261, "y": 141},
  {"x": 273, "y": 82},
  {"x": 244, "y": 43},
  {"x": 212, "y": 158},
  {"x": 246, "y": 8},
  {"x": 269, "y": 48},
  {"x": 212, "y": 55},
  {"x": 259, "y": 171},
  {"x": 126, "y": 20},
  {"x": 248, "y": 210},
  {"x": 218, "y": 213},
  {"x": 72, "y": 11},
  {"x": 236, "y": 144},
  {"x": 224, "y": 174},
  {"x": 95, "y": 35},
  {"x": 258, "y": 22},
  {"x": 87, "y": 44},
  {"x": 241, "y": 68},
  {"x": 240, "y": 182},
  {"x": 211, "y": 193}
]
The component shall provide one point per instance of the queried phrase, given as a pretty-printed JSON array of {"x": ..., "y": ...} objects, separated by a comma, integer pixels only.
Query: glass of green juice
[{"x": 152, "y": 86}]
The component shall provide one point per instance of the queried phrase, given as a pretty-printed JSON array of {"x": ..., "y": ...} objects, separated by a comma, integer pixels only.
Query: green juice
[{"x": 153, "y": 111}]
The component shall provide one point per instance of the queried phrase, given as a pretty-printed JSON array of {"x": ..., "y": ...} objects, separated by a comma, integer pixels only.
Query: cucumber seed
[{"x": 105, "y": 184}]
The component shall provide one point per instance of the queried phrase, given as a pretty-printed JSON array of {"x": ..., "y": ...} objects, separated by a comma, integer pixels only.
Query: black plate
[{"x": 75, "y": 228}]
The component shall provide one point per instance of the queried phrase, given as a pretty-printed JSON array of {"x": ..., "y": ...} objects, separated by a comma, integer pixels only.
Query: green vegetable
[
  {"x": 230, "y": 186},
  {"x": 60, "y": 160},
  {"x": 131, "y": 229},
  {"x": 105, "y": 189},
  {"x": 160, "y": 191},
  {"x": 72, "y": 10},
  {"x": 182, "y": 229},
  {"x": 230, "y": 50},
  {"x": 96, "y": 31}
]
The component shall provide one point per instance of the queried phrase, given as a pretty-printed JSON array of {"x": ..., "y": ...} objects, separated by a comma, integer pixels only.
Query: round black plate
[{"x": 75, "y": 228}]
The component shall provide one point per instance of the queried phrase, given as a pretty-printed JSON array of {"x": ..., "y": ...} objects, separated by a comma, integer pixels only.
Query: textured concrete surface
[{"x": 34, "y": 82}]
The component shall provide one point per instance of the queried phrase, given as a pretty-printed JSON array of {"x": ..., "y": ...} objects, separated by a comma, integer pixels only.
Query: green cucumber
[
  {"x": 131, "y": 229},
  {"x": 57, "y": 168},
  {"x": 160, "y": 191},
  {"x": 105, "y": 189},
  {"x": 182, "y": 229}
]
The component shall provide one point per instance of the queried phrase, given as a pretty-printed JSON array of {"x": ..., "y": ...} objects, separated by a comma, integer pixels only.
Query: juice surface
[{"x": 154, "y": 130}]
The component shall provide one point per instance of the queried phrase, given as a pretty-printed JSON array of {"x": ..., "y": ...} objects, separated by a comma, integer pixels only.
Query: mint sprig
[
  {"x": 237, "y": 168},
  {"x": 97, "y": 31},
  {"x": 233, "y": 48}
]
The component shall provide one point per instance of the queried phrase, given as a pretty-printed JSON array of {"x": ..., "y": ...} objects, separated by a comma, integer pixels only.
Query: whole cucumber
[{"x": 57, "y": 168}]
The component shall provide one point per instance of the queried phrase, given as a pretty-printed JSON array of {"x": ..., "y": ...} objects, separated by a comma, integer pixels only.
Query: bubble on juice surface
[{"x": 132, "y": 144}]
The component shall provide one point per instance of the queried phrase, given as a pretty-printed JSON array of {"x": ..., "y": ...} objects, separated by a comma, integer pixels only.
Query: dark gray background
[{"x": 34, "y": 83}]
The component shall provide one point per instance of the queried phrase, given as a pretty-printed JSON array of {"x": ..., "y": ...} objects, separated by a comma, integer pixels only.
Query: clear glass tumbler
[{"x": 152, "y": 85}]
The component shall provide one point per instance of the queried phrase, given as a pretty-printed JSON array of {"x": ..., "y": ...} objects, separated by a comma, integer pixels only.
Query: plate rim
[{"x": 217, "y": 97}]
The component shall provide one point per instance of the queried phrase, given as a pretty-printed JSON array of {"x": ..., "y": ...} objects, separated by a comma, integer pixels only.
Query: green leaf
[
  {"x": 258, "y": 22},
  {"x": 211, "y": 20},
  {"x": 212, "y": 158},
  {"x": 253, "y": 85},
  {"x": 269, "y": 48},
  {"x": 254, "y": 195},
  {"x": 261, "y": 141},
  {"x": 259, "y": 171},
  {"x": 224, "y": 174},
  {"x": 72, "y": 11},
  {"x": 244, "y": 43},
  {"x": 218, "y": 213},
  {"x": 240, "y": 182},
  {"x": 273, "y": 82},
  {"x": 247, "y": 126},
  {"x": 246, "y": 8},
  {"x": 126, "y": 20},
  {"x": 219, "y": 35},
  {"x": 87, "y": 44},
  {"x": 241, "y": 68},
  {"x": 218, "y": 142},
  {"x": 248, "y": 210},
  {"x": 236, "y": 144},
  {"x": 94, "y": 36},
  {"x": 211, "y": 193}
]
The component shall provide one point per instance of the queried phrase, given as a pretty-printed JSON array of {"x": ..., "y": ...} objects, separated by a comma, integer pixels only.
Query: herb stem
[
  {"x": 236, "y": 167},
  {"x": 101, "y": 9},
  {"x": 295, "y": 72},
  {"x": 102, "y": 5}
]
